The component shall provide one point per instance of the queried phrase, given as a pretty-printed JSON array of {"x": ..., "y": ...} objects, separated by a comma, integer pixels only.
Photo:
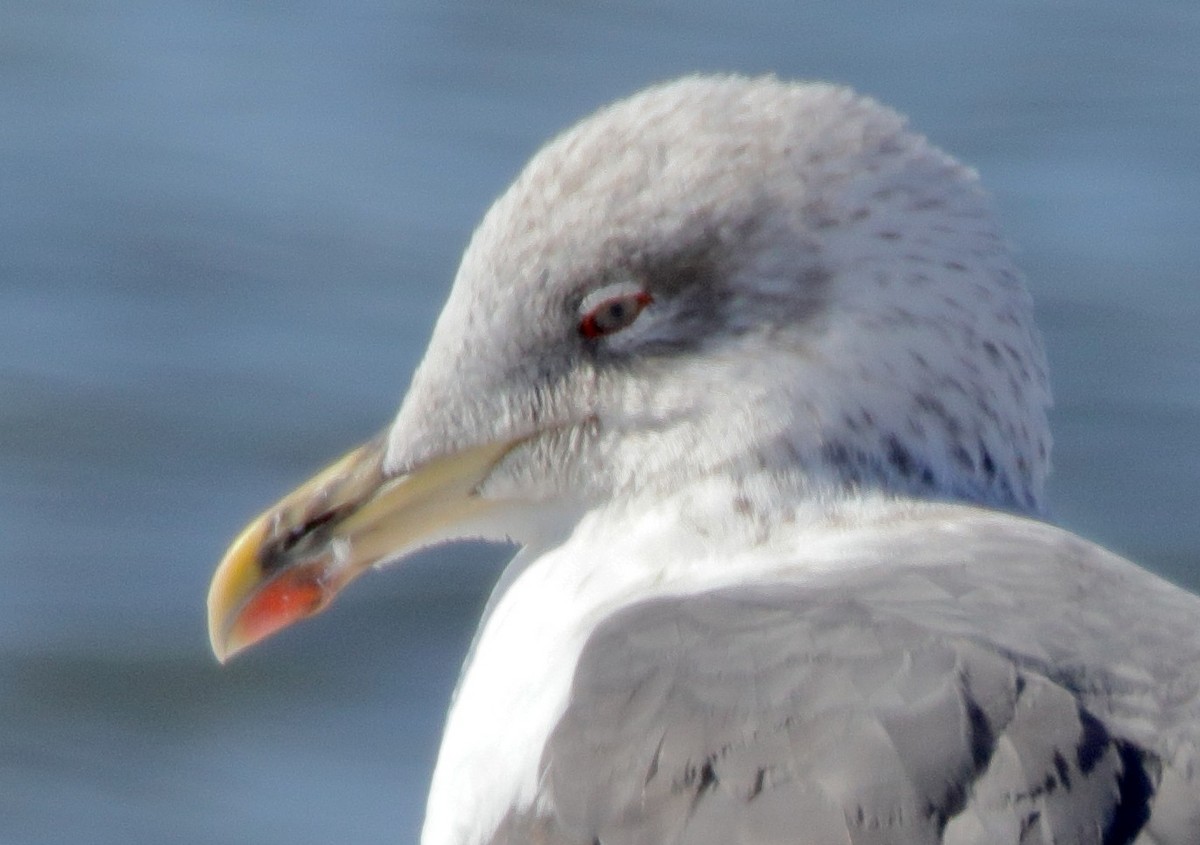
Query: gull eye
[{"x": 609, "y": 310}]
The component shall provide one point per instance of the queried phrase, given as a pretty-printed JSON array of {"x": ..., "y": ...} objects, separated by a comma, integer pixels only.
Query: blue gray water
[{"x": 226, "y": 228}]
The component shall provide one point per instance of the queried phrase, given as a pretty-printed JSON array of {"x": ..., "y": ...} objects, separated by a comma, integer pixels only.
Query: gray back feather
[{"x": 1051, "y": 694}]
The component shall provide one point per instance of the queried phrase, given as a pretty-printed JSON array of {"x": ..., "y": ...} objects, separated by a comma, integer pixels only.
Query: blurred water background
[{"x": 226, "y": 229}]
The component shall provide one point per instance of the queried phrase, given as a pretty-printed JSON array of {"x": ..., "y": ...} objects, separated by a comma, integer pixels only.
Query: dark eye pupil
[
  {"x": 613, "y": 315},
  {"x": 616, "y": 311}
]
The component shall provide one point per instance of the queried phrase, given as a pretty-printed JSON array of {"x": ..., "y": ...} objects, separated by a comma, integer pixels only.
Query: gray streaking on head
[{"x": 747, "y": 369}]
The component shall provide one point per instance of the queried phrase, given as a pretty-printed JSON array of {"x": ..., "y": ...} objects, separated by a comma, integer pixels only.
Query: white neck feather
[{"x": 516, "y": 683}]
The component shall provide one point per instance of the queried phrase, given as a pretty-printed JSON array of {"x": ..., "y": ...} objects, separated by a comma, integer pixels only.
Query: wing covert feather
[{"x": 1049, "y": 695}]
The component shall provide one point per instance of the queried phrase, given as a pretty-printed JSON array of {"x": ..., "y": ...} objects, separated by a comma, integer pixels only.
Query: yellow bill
[{"x": 290, "y": 562}]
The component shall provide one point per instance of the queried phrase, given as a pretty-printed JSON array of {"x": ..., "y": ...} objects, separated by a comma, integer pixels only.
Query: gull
[{"x": 746, "y": 369}]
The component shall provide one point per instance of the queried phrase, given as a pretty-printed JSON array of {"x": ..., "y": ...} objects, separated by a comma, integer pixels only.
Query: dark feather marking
[
  {"x": 1063, "y": 769},
  {"x": 1135, "y": 791},
  {"x": 1093, "y": 742},
  {"x": 983, "y": 746},
  {"x": 983, "y": 740},
  {"x": 702, "y": 778},
  {"x": 757, "y": 788},
  {"x": 989, "y": 465},
  {"x": 652, "y": 769},
  {"x": 1028, "y": 822},
  {"x": 962, "y": 457}
]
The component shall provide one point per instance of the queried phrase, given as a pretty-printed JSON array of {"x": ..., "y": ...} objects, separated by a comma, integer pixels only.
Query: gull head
[
  {"x": 775, "y": 283},
  {"x": 731, "y": 276}
]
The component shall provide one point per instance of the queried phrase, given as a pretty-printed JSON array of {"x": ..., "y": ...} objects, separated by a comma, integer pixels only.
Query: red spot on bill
[{"x": 291, "y": 596}]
